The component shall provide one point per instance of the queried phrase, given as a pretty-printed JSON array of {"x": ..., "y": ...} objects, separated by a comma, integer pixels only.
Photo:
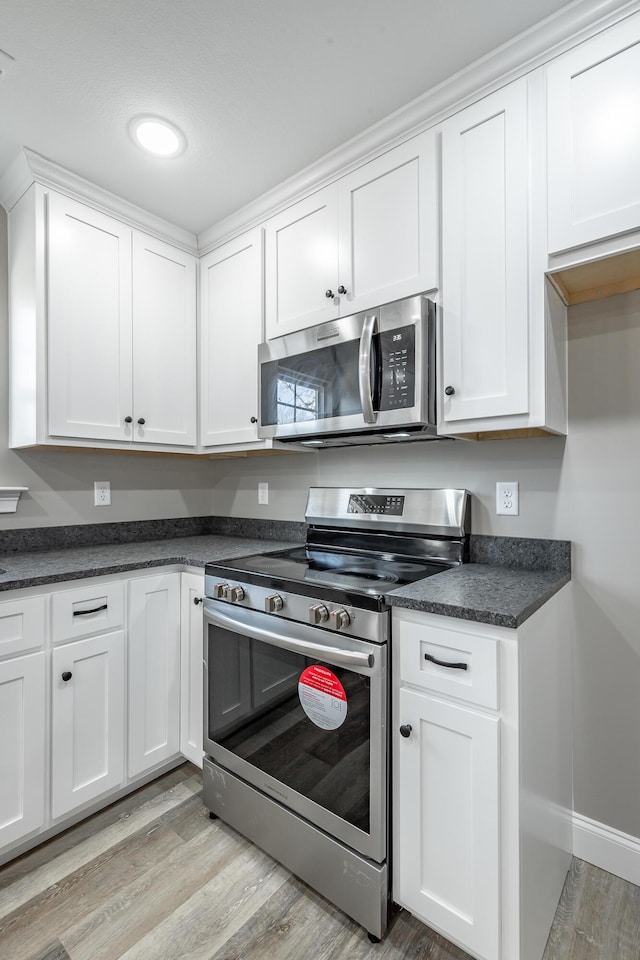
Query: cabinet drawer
[
  {"x": 22, "y": 625},
  {"x": 96, "y": 608},
  {"x": 467, "y": 667}
]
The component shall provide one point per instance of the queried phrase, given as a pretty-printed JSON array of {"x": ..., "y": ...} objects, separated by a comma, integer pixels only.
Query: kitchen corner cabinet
[
  {"x": 593, "y": 104},
  {"x": 154, "y": 671},
  {"x": 103, "y": 330},
  {"x": 369, "y": 238},
  {"x": 231, "y": 327},
  {"x": 503, "y": 329},
  {"x": 482, "y": 783},
  {"x": 191, "y": 667}
]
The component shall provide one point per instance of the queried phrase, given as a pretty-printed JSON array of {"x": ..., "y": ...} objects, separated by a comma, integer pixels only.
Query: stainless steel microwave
[{"x": 367, "y": 378}]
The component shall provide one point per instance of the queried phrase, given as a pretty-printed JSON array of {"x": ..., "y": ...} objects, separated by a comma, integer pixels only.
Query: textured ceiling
[{"x": 261, "y": 88}]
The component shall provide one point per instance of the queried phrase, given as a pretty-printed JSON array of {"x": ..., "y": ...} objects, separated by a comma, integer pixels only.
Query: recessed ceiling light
[{"x": 157, "y": 136}]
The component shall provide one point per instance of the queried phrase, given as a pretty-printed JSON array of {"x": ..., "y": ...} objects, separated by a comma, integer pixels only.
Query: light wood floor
[{"x": 152, "y": 878}]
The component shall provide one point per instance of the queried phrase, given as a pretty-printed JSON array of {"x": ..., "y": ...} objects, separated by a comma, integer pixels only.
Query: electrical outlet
[
  {"x": 263, "y": 493},
  {"x": 102, "y": 493},
  {"x": 507, "y": 498}
]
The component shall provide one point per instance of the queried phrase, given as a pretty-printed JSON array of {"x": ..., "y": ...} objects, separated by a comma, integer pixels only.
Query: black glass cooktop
[{"x": 317, "y": 571}]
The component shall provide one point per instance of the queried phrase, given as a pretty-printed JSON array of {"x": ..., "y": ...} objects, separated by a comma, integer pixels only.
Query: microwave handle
[
  {"x": 364, "y": 369},
  {"x": 244, "y": 622}
]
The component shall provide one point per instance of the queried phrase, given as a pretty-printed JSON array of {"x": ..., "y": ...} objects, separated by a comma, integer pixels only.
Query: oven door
[{"x": 301, "y": 714}]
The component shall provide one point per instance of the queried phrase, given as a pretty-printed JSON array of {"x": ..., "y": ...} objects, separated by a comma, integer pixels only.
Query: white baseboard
[{"x": 607, "y": 848}]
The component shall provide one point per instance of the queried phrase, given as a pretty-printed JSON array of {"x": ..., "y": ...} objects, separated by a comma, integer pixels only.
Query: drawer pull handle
[
  {"x": 443, "y": 663},
  {"x": 84, "y": 613}
]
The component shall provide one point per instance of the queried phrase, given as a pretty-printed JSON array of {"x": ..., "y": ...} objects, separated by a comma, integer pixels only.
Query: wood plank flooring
[{"x": 152, "y": 878}]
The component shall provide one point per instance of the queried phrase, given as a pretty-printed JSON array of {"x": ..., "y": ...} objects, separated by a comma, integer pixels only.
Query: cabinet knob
[
  {"x": 449, "y": 391},
  {"x": 329, "y": 294},
  {"x": 141, "y": 421},
  {"x": 342, "y": 289},
  {"x": 128, "y": 419},
  {"x": 67, "y": 675},
  {"x": 197, "y": 600},
  {"x": 405, "y": 730},
  {"x": 254, "y": 419}
]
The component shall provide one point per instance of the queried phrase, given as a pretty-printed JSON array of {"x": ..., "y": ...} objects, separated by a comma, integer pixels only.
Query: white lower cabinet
[
  {"x": 154, "y": 671},
  {"x": 22, "y": 746},
  {"x": 88, "y": 717},
  {"x": 448, "y": 820},
  {"x": 482, "y": 776},
  {"x": 191, "y": 661}
]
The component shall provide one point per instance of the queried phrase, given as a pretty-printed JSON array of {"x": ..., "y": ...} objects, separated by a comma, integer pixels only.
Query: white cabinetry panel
[
  {"x": 89, "y": 321},
  {"x": 154, "y": 671},
  {"x": 593, "y": 103},
  {"x": 22, "y": 746},
  {"x": 485, "y": 164},
  {"x": 164, "y": 343},
  {"x": 231, "y": 327},
  {"x": 191, "y": 668},
  {"x": 88, "y": 720},
  {"x": 301, "y": 264},
  {"x": 447, "y": 851},
  {"x": 389, "y": 226},
  {"x": 22, "y": 625}
]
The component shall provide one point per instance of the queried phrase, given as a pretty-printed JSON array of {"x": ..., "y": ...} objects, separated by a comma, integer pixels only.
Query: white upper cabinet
[
  {"x": 367, "y": 239},
  {"x": 503, "y": 327},
  {"x": 484, "y": 257},
  {"x": 164, "y": 343},
  {"x": 103, "y": 330},
  {"x": 593, "y": 103},
  {"x": 231, "y": 327},
  {"x": 89, "y": 322}
]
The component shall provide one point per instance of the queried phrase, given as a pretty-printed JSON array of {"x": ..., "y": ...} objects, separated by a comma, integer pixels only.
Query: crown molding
[
  {"x": 529, "y": 50},
  {"x": 29, "y": 167}
]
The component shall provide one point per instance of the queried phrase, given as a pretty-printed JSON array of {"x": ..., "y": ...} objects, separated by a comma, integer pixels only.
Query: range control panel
[{"x": 390, "y": 506}]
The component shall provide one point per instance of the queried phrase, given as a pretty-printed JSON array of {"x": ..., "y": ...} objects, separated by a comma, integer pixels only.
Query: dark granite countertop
[
  {"x": 74, "y": 563},
  {"x": 501, "y": 596},
  {"x": 507, "y": 581}
]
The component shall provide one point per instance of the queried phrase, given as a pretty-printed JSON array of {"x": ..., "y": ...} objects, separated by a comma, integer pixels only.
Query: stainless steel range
[{"x": 297, "y": 684}]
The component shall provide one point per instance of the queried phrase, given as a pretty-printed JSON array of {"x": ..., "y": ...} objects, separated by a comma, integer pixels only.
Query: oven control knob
[
  {"x": 236, "y": 594},
  {"x": 318, "y": 613},
  {"x": 220, "y": 591},
  {"x": 274, "y": 603},
  {"x": 340, "y": 619}
]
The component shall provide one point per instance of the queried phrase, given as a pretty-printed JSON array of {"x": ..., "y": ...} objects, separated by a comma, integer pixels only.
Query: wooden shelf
[{"x": 599, "y": 279}]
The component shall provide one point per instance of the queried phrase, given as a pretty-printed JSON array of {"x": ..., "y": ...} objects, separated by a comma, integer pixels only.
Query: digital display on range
[{"x": 390, "y": 506}]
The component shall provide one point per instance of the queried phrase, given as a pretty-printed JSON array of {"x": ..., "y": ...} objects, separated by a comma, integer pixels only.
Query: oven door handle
[
  {"x": 364, "y": 369},
  {"x": 241, "y": 622}
]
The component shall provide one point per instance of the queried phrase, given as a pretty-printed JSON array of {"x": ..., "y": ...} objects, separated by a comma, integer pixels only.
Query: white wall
[
  {"x": 61, "y": 483},
  {"x": 585, "y": 489}
]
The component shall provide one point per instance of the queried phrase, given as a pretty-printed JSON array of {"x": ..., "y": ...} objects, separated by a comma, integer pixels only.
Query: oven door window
[{"x": 256, "y": 712}]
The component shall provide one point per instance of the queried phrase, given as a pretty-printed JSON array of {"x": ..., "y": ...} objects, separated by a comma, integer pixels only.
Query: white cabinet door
[
  {"x": 231, "y": 327},
  {"x": 593, "y": 104},
  {"x": 89, "y": 322},
  {"x": 164, "y": 343},
  {"x": 388, "y": 225},
  {"x": 88, "y": 702},
  {"x": 446, "y": 821},
  {"x": 485, "y": 176},
  {"x": 154, "y": 671},
  {"x": 301, "y": 264},
  {"x": 191, "y": 661},
  {"x": 22, "y": 746}
]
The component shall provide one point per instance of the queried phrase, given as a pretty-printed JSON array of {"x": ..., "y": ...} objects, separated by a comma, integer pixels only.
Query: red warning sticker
[{"x": 323, "y": 697}]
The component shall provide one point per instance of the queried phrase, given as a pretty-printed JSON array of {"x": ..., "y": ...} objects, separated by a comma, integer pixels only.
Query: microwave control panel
[{"x": 398, "y": 353}]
